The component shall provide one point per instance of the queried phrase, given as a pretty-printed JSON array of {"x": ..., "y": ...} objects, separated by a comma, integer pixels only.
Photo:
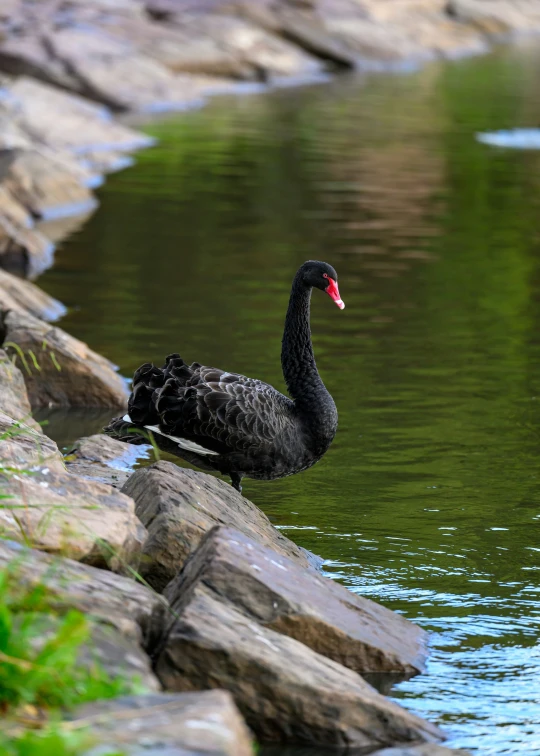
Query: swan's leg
[{"x": 236, "y": 481}]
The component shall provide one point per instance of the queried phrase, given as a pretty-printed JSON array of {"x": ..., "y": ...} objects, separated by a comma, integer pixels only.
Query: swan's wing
[{"x": 222, "y": 412}]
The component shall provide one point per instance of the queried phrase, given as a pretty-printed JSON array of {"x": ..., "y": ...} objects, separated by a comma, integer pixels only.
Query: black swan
[{"x": 236, "y": 425}]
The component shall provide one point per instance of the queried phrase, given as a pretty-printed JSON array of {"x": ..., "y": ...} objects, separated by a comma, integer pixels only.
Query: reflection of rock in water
[{"x": 65, "y": 425}]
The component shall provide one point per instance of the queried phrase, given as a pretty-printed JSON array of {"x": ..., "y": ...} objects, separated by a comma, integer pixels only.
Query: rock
[
  {"x": 60, "y": 370},
  {"x": 277, "y": 593},
  {"x": 120, "y": 657},
  {"x": 134, "y": 610},
  {"x": 47, "y": 186},
  {"x": 497, "y": 16},
  {"x": 185, "y": 724},
  {"x": 105, "y": 649},
  {"x": 286, "y": 691},
  {"x": 14, "y": 401},
  {"x": 114, "y": 72},
  {"x": 84, "y": 127},
  {"x": 63, "y": 514},
  {"x": 24, "y": 447},
  {"x": 16, "y": 293},
  {"x": 103, "y": 459},
  {"x": 179, "y": 506},
  {"x": 186, "y": 47},
  {"x": 23, "y": 250},
  {"x": 257, "y": 52},
  {"x": 22, "y": 443}
]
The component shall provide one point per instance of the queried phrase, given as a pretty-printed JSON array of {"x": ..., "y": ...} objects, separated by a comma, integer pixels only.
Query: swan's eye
[{"x": 325, "y": 275}]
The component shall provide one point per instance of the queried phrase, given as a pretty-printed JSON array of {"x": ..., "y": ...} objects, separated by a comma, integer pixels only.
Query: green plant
[
  {"x": 39, "y": 649},
  {"x": 51, "y": 741}
]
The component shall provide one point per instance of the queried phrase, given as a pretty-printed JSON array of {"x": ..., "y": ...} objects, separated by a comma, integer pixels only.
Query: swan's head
[{"x": 320, "y": 275}]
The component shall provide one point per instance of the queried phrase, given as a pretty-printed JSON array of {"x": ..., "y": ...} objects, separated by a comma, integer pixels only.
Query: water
[{"x": 429, "y": 499}]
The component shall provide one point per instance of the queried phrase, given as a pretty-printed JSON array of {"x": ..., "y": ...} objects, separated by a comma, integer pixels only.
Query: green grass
[{"x": 40, "y": 676}]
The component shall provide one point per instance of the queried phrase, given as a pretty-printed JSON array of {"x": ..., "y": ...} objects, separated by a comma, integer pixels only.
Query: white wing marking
[{"x": 182, "y": 442}]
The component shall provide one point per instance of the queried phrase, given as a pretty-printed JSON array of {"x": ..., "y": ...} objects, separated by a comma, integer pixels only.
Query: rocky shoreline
[
  {"x": 231, "y": 622},
  {"x": 230, "y": 627}
]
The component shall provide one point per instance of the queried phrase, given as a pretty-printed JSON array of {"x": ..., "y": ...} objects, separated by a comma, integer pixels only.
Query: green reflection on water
[{"x": 429, "y": 498}]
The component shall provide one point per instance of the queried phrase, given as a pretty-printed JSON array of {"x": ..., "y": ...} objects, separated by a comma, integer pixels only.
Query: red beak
[{"x": 333, "y": 292}]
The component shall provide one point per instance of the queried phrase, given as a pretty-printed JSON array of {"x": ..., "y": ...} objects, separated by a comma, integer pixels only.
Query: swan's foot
[{"x": 236, "y": 481}]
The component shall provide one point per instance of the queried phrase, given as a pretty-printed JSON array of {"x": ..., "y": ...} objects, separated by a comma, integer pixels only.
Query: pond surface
[{"x": 429, "y": 499}]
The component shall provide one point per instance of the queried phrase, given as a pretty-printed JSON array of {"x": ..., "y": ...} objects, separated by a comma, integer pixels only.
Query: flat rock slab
[
  {"x": 67, "y": 121},
  {"x": 280, "y": 594},
  {"x": 63, "y": 514},
  {"x": 103, "y": 458},
  {"x": 26, "y": 296},
  {"x": 23, "y": 447},
  {"x": 186, "y": 724},
  {"x": 134, "y": 610},
  {"x": 179, "y": 506},
  {"x": 49, "y": 185},
  {"x": 59, "y": 370},
  {"x": 286, "y": 691}
]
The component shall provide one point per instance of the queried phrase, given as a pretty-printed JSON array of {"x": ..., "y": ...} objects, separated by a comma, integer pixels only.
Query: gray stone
[
  {"x": 281, "y": 595},
  {"x": 134, "y": 610},
  {"x": 186, "y": 724},
  {"x": 63, "y": 514},
  {"x": 179, "y": 506},
  {"x": 59, "y": 370},
  {"x": 103, "y": 459},
  {"x": 16, "y": 293},
  {"x": 286, "y": 691},
  {"x": 120, "y": 657}
]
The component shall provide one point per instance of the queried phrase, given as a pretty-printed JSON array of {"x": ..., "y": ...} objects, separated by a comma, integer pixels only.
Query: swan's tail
[{"x": 142, "y": 403}]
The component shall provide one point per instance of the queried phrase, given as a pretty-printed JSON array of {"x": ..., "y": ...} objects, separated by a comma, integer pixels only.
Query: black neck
[{"x": 304, "y": 383}]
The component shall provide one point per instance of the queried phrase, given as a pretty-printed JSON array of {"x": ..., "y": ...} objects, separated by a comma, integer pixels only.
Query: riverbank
[{"x": 223, "y": 601}]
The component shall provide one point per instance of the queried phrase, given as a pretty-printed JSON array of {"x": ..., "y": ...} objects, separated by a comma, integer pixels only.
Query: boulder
[
  {"x": 23, "y": 250},
  {"x": 120, "y": 657},
  {"x": 184, "y": 724},
  {"x": 179, "y": 506},
  {"x": 134, "y": 610},
  {"x": 276, "y": 592},
  {"x": 22, "y": 443},
  {"x": 24, "y": 447},
  {"x": 114, "y": 72},
  {"x": 16, "y": 293},
  {"x": 63, "y": 514},
  {"x": 106, "y": 650},
  {"x": 59, "y": 370},
  {"x": 258, "y": 53},
  {"x": 83, "y": 126},
  {"x": 14, "y": 401},
  {"x": 286, "y": 691},
  {"x": 104, "y": 459},
  {"x": 186, "y": 47},
  {"x": 49, "y": 185},
  {"x": 497, "y": 16}
]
